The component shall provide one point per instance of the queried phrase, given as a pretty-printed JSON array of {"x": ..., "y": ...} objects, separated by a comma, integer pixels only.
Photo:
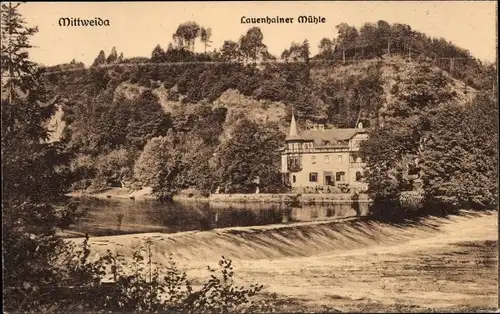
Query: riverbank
[
  {"x": 313, "y": 198},
  {"x": 438, "y": 263},
  {"x": 142, "y": 194},
  {"x": 120, "y": 193}
]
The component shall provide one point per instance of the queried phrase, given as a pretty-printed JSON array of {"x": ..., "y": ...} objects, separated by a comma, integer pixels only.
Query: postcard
[{"x": 250, "y": 157}]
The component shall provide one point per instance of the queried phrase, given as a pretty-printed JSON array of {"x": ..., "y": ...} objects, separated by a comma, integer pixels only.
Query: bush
[{"x": 143, "y": 285}]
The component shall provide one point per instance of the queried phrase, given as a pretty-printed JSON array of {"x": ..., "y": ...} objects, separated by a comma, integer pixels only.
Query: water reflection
[{"x": 121, "y": 216}]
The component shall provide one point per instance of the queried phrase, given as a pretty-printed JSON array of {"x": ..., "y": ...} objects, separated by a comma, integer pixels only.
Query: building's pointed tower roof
[{"x": 293, "y": 134}]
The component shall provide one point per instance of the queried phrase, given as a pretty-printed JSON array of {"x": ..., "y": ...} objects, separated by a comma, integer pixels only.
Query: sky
[{"x": 136, "y": 28}]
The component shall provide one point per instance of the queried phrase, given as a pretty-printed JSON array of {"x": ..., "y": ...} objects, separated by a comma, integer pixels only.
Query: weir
[{"x": 287, "y": 240}]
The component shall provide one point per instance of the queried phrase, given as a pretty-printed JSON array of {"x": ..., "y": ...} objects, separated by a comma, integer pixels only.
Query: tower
[
  {"x": 294, "y": 147},
  {"x": 293, "y": 133}
]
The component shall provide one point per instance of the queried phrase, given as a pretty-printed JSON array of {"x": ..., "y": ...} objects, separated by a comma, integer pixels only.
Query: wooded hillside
[{"x": 194, "y": 102}]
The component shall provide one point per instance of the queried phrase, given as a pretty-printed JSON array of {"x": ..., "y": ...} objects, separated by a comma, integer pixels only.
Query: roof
[
  {"x": 334, "y": 135},
  {"x": 293, "y": 138},
  {"x": 293, "y": 134}
]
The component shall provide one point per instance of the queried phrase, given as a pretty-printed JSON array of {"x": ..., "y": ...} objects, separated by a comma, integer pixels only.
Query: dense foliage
[
  {"x": 29, "y": 179},
  {"x": 427, "y": 131},
  {"x": 351, "y": 79},
  {"x": 460, "y": 157},
  {"x": 249, "y": 158}
]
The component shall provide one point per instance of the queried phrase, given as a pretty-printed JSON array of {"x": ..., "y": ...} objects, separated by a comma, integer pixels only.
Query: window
[
  {"x": 339, "y": 159},
  {"x": 313, "y": 159},
  {"x": 327, "y": 159},
  {"x": 340, "y": 176},
  {"x": 313, "y": 177},
  {"x": 294, "y": 162},
  {"x": 294, "y": 179}
]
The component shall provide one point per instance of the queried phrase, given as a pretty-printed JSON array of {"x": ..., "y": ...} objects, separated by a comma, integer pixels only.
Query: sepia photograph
[{"x": 250, "y": 157}]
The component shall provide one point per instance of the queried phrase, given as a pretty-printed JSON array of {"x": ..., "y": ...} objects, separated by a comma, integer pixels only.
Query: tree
[
  {"x": 401, "y": 36},
  {"x": 28, "y": 176},
  {"x": 248, "y": 154},
  {"x": 305, "y": 50},
  {"x": 164, "y": 163},
  {"x": 205, "y": 34},
  {"x": 100, "y": 59},
  {"x": 297, "y": 52},
  {"x": 285, "y": 55},
  {"x": 402, "y": 128},
  {"x": 369, "y": 40},
  {"x": 158, "y": 54},
  {"x": 186, "y": 34},
  {"x": 326, "y": 47},
  {"x": 25, "y": 107},
  {"x": 115, "y": 167},
  {"x": 146, "y": 120},
  {"x": 251, "y": 44},
  {"x": 16, "y": 67},
  {"x": 346, "y": 37},
  {"x": 230, "y": 51},
  {"x": 383, "y": 154},
  {"x": 384, "y": 31},
  {"x": 459, "y": 156},
  {"x": 152, "y": 159},
  {"x": 113, "y": 56}
]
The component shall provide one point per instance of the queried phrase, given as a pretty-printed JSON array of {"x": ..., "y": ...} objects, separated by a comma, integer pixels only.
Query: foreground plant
[{"x": 143, "y": 285}]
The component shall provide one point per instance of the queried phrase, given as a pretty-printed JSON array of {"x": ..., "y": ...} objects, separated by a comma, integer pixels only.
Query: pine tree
[
  {"x": 158, "y": 54},
  {"x": 24, "y": 102},
  {"x": 28, "y": 177},
  {"x": 112, "y": 56},
  {"x": 15, "y": 65},
  {"x": 100, "y": 60},
  {"x": 306, "y": 53}
]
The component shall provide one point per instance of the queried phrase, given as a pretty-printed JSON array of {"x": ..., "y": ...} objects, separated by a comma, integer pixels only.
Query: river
[{"x": 123, "y": 216}]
